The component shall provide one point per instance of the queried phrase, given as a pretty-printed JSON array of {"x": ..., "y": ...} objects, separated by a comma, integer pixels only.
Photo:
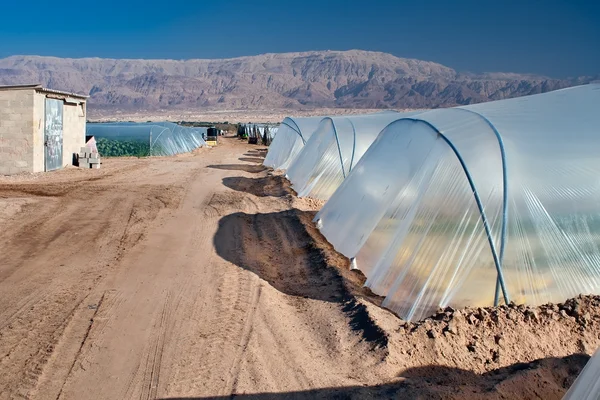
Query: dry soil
[{"x": 202, "y": 276}]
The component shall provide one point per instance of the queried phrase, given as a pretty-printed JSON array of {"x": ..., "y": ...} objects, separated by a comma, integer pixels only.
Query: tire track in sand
[
  {"x": 55, "y": 370},
  {"x": 151, "y": 375},
  {"x": 254, "y": 297},
  {"x": 27, "y": 302},
  {"x": 82, "y": 345},
  {"x": 145, "y": 382}
]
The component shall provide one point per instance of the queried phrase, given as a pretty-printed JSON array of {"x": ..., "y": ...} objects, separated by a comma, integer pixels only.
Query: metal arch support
[
  {"x": 156, "y": 138},
  {"x": 504, "y": 196},
  {"x": 484, "y": 219},
  {"x": 337, "y": 141},
  {"x": 353, "y": 144},
  {"x": 295, "y": 129}
]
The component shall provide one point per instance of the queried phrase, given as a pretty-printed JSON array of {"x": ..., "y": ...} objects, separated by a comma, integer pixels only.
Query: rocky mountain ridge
[{"x": 291, "y": 81}]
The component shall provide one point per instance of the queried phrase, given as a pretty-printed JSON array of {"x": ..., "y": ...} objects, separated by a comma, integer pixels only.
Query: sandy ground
[
  {"x": 202, "y": 276},
  {"x": 232, "y": 116}
]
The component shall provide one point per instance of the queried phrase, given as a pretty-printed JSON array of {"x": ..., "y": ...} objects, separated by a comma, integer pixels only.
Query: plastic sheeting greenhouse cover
[
  {"x": 333, "y": 150},
  {"x": 587, "y": 384},
  {"x": 291, "y": 136},
  {"x": 428, "y": 216},
  {"x": 145, "y": 139},
  {"x": 259, "y": 130}
]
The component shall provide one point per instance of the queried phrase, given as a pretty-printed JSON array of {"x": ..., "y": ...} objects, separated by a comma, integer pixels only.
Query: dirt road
[
  {"x": 140, "y": 281},
  {"x": 199, "y": 276}
]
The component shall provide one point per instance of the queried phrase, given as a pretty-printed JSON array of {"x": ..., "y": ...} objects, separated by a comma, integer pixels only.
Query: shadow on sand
[
  {"x": 548, "y": 378},
  {"x": 253, "y": 169},
  {"x": 277, "y": 248},
  {"x": 269, "y": 186},
  {"x": 257, "y": 153},
  {"x": 256, "y": 160}
]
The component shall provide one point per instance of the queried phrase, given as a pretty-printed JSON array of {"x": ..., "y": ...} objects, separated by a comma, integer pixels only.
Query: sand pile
[
  {"x": 484, "y": 339},
  {"x": 511, "y": 351}
]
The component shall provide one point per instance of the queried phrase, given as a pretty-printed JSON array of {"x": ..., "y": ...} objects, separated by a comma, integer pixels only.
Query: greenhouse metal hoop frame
[
  {"x": 498, "y": 258},
  {"x": 337, "y": 140},
  {"x": 296, "y": 129},
  {"x": 157, "y": 136}
]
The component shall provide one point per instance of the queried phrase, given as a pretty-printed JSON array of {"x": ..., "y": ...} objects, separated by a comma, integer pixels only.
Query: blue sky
[{"x": 558, "y": 38}]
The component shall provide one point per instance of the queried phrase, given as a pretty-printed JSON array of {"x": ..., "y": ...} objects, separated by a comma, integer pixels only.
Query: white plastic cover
[
  {"x": 260, "y": 129},
  {"x": 333, "y": 150},
  {"x": 587, "y": 384},
  {"x": 410, "y": 216},
  {"x": 263, "y": 132},
  {"x": 291, "y": 136},
  {"x": 115, "y": 139}
]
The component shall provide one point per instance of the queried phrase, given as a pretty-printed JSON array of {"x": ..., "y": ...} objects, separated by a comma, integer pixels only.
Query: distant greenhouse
[
  {"x": 292, "y": 135},
  {"x": 334, "y": 149},
  {"x": 261, "y": 133},
  {"x": 145, "y": 139}
]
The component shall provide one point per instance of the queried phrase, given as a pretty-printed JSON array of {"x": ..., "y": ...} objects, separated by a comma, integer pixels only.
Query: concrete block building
[{"x": 40, "y": 129}]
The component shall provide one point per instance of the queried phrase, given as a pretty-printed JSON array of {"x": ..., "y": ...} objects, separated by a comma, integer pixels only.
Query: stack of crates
[{"x": 88, "y": 158}]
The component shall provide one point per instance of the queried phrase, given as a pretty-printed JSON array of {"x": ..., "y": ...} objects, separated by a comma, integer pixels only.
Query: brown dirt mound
[{"x": 484, "y": 339}]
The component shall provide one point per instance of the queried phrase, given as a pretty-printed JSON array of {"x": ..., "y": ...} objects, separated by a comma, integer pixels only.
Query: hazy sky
[{"x": 552, "y": 37}]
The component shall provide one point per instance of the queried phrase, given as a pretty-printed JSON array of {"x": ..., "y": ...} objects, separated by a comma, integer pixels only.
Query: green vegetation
[{"x": 118, "y": 148}]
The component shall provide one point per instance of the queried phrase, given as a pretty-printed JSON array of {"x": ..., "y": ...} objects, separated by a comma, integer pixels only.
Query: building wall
[
  {"x": 22, "y": 123},
  {"x": 16, "y": 124},
  {"x": 73, "y": 131}
]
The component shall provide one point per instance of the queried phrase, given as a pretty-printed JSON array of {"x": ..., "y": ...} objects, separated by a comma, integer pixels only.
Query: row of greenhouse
[
  {"x": 465, "y": 206},
  {"x": 116, "y": 139},
  {"x": 257, "y": 133}
]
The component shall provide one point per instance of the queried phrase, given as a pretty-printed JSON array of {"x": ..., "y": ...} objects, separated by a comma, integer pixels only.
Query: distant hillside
[{"x": 350, "y": 79}]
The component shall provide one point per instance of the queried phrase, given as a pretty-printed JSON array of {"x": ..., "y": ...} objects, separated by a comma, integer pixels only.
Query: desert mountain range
[{"x": 290, "y": 81}]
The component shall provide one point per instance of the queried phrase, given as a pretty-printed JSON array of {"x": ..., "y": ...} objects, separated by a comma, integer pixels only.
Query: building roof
[{"x": 39, "y": 88}]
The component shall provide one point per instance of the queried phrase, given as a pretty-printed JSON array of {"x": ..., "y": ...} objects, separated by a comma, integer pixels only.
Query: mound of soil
[{"x": 484, "y": 339}]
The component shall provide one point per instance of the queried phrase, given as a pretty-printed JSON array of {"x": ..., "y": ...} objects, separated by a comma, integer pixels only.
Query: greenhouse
[
  {"x": 474, "y": 205},
  {"x": 290, "y": 139},
  {"x": 333, "y": 150},
  {"x": 587, "y": 384},
  {"x": 264, "y": 133},
  {"x": 118, "y": 139}
]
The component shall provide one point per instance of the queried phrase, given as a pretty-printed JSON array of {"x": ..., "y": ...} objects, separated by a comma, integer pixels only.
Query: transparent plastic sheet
[
  {"x": 552, "y": 144},
  {"x": 145, "y": 139},
  {"x": 260, "y": 130},
  {"x": 409, "y": 215},
  {"x": 333, "y": 150},
  {"x": 291, "y": 136},
  {"x": 272, "y": 131},
  {"x": 587, "y": 384}
]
